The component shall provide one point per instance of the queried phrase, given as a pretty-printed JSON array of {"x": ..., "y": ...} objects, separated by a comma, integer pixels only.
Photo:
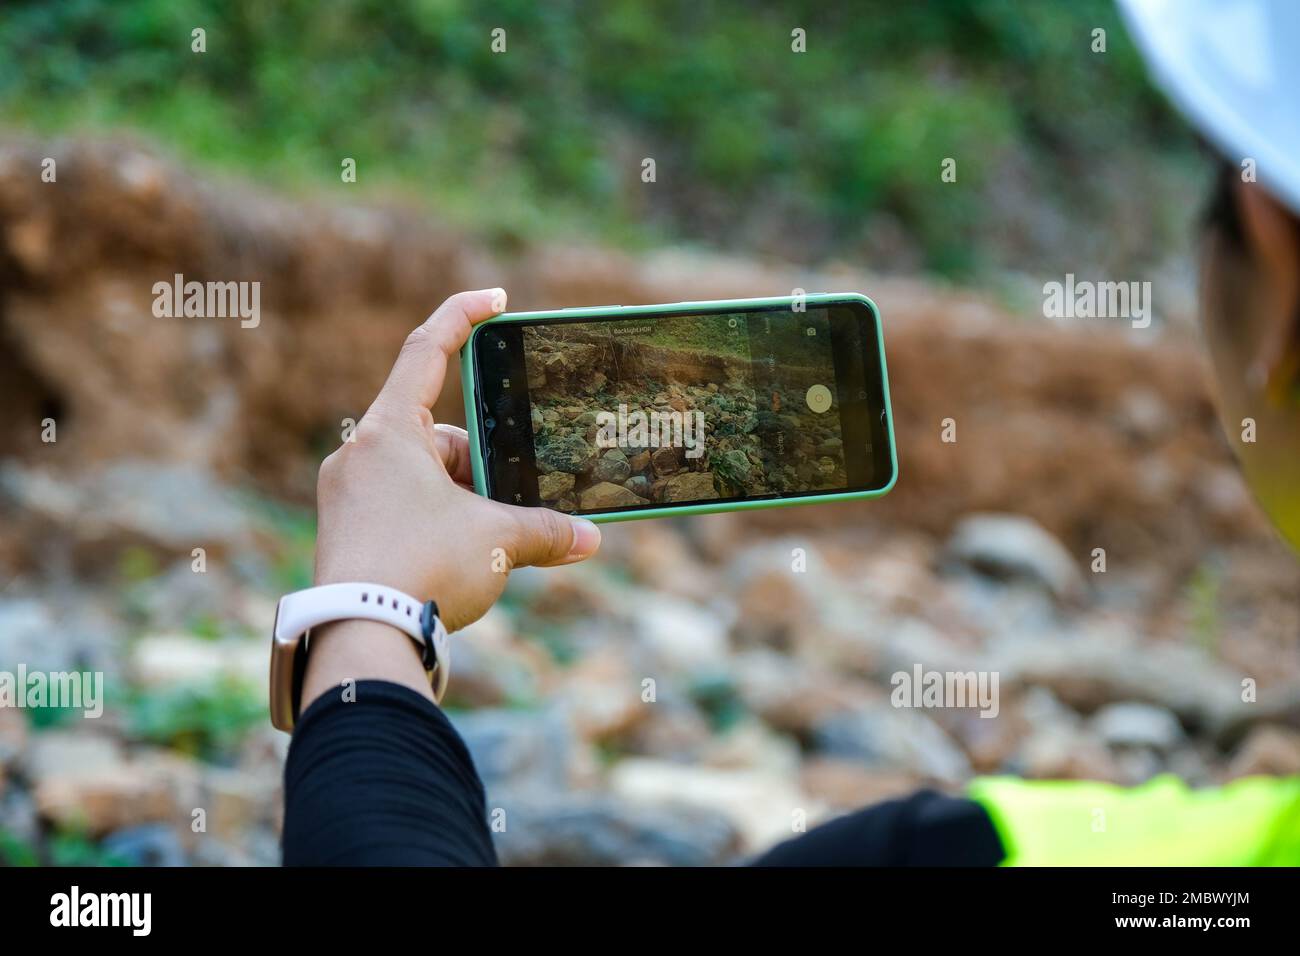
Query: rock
[
  {"x": 517, "y": 749},
  {"x": 639, "y": 485},
  {"x": 1271, "y": 751},
  {"x": 787, "y": 693},
  {"x": 1016, "y": 548},
  {"x": 611, "y": 467},
  {"x": 892, "y": 738},
  {"x": 236, "y": 801},
  {"x": 178, "y": 597},
  {"x": 83, "y": 782},
  {"x": 608, "y": 495},
  {"x": 1138, "y": 725},
  {"x": 584, "y": 829},
  {"x": 737, "y": 465},
  {"x": 168, "y": 660},
  {"x": 539, "y": 420},
  {"x": 690, "y": 487},
  {"x": 639, "y": 462},
  {"x": 1089, "y": 668},
  {"x": 675, "y": 730},
  {"x": 684, "y": 636},
  {"x": 553, "y": 486},
  {"x": 152, "y": 844},
  {"x": 173, "y": 507},
  {"x": 762, "y": 806},
  {"x": 666, "y": 461},
  {"x": 1057, "y": 747},
  {"x": 53, "y": 753},
  {"x": 20, "y": 821},
  {"x": 1142, "y": 414},
  {"x": 78, "y": 636},
  {"x": 13, "y": 737},
  {"x": 602, "y": 697},
  {"x": 660, "y": 557},
  {"x": 776, "y": 601},
  {"x": 569, "y": 453},
  {"x": 494, "y": 667},
  {"x": 749, "y": 744}
]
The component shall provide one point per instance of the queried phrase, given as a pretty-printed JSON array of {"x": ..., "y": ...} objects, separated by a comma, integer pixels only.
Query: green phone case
[{"x": 468, "y": 385}]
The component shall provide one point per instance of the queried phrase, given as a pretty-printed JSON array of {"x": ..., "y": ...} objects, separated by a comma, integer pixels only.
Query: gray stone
[
  {"x": 612, "y": 467},
  {"x": 518, "y": 748},
  {"x": 582, "y": 829},
  {"x": 738, "y": 464},
  {"x": 1014, "y": 547},
  {"x": 173, "y": 507},
  {"x": 152, "y": 844},
  {"x": 566, "y": 453},
  {"x": 893, "y": 738},
  {"x": 1131, "y": 724}
]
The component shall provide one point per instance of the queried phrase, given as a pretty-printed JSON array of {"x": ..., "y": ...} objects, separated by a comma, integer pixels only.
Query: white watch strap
[{"x": 301, "y": 611}]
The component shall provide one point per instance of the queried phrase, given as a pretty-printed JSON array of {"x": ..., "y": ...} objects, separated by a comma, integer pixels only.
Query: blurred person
[{"x": 386, "y": 779}]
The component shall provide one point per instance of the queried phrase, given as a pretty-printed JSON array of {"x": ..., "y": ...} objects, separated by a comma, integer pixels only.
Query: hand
[{"x": 394, "y": 507}]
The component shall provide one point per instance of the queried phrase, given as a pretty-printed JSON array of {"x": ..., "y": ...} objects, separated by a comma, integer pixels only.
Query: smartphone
[{"x": 618, "y": 412}]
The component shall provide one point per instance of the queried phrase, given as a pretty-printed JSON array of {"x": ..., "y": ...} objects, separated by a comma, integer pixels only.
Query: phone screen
[{"x": 593, "y": 415}]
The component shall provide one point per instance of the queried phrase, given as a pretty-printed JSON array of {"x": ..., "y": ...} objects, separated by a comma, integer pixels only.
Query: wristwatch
[{"x": 299, "y": 612}]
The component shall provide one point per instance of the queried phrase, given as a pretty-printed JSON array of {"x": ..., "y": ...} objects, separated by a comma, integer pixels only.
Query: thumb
[{"x": 543, "y": 537}]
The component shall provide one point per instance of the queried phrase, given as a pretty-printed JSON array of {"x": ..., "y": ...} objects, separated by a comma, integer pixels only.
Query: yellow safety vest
[{"x": 1254, "y": 821}]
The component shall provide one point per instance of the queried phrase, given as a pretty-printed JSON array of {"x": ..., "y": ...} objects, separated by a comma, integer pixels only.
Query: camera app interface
[{"x": 675, "y": 410}]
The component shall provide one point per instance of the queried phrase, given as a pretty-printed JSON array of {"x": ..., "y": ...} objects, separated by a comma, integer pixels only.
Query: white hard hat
[{"x": 1233, "y": 67}]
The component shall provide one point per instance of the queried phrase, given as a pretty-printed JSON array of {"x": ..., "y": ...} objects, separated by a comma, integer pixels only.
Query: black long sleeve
[
  {"x": 926, "y": 828},
  {"x": 384, "y": 780}
]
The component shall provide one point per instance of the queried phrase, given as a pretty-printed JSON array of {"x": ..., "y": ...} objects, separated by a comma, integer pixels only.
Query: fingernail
[
  {"x": 498, "y": 299},
  {"x": 586, "y": 538}
]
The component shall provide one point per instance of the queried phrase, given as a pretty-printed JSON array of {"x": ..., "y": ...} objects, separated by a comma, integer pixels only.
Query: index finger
[{"x": 421, "y": 366}]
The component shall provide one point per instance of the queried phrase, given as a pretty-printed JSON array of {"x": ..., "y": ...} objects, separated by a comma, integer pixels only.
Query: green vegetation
[
  {"x": 713, "y": 337},
  {"x": 15, "y": 851},
  {"x": 207, "y": 721},
  {"x": 832, "y": 153},
  {"x": 294, "y": 530},
  {"x": 719, "y": 699},
  {"x": 73, "y": 848}
]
